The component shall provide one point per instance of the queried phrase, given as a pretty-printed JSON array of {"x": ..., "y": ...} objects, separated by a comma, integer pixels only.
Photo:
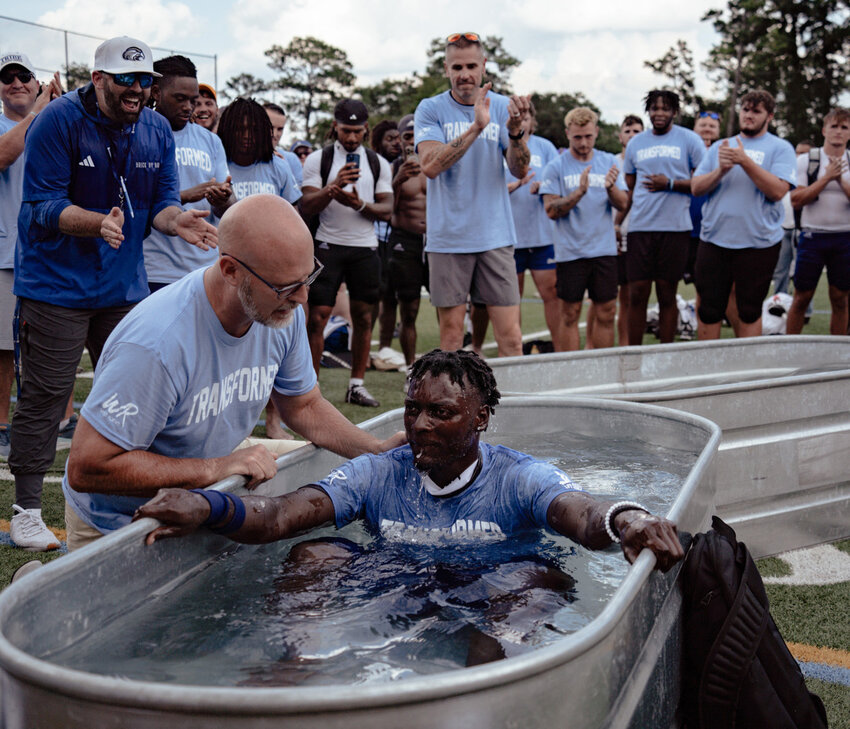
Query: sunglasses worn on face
[
  {"x": 710, "y": 114},
  {"x": 455, "y": 37},
  {"x": 289, "y": 289},
  {"x": 9, "y": 75},
  {"x": 128, "y": 79}
]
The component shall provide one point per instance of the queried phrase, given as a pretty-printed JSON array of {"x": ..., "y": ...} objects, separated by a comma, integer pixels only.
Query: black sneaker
[
  {"x": 68, "y": 430},
  {"x": 359, "y": 395}
]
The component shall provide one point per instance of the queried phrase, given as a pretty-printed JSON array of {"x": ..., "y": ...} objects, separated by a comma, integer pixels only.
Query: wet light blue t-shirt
[
  {"x": 512, "y": 492},
  {"x": 467, "y": 206},
  {"x": 587, "y": 231},
  {"x": 172, "y": 381},
  {"x": 200, "y": 157},
  {"x": 268, "y": 178},
  {"x": 674, "y": 154},
  {"x": 533, "y": 226},
  {"x": 11, "y": 192},
  {"x": 736, "y": 213}
]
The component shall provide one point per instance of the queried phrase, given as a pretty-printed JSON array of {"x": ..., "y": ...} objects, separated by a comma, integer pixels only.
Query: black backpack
[
  {"x": 736, "y": 669},
  {"x": 325, "y": 171}
]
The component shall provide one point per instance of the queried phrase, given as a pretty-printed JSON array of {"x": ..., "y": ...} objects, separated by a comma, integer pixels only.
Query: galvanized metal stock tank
[
  {"x": 783, "y": 403},
  {"x": 620, "y": 670}
]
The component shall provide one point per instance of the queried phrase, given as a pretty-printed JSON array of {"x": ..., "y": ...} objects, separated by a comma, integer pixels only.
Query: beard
[
  {"x": 113, "y": 100},
  {"x": 277, "y": 319}
]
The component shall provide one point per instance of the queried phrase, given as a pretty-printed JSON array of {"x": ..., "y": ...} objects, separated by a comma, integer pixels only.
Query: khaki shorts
[
  {"x": 78, "y": 533},
  {"x": 7, "y": 309},
  {"x": 488, "y": 278}
]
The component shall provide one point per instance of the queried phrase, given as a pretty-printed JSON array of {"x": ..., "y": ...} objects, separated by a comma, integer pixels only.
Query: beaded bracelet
[
  {"x": 227, "y": 512},
  {"x": 612, "y": 512}
]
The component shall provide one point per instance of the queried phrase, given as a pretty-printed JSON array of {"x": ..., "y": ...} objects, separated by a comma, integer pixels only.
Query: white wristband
[
  {"x": 615, "y": 509},
  {"x": 361, "y": 208}
]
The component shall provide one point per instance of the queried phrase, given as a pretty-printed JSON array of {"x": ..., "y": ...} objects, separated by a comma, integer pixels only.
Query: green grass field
[{"x": 812, "y": 615}]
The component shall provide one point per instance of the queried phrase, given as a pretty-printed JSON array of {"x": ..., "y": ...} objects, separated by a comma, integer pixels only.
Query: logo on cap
[
  {"x": 133, "y": 54},
  {"x": 353, "y": 117}
]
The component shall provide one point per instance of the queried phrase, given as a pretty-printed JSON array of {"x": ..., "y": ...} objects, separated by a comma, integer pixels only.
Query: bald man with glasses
[{"x": 187, "y": 373}]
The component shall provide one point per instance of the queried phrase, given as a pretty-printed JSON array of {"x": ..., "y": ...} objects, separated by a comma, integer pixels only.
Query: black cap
[{"x": 351, "y": 111}]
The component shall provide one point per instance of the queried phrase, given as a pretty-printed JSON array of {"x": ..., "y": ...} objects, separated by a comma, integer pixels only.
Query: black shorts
[
  {"x": 385, "y": 290},
  {"x": 408, "y": 267},
  {"x": 622, "y": 276},
  {"x": 750, "y": 269},
  {"x": 657, "y": 255},
  {"x": 360, "y": 268},
  {"x": 597, "y": 276}
]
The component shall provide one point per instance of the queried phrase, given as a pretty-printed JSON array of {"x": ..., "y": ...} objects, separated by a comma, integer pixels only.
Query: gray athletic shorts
[
  {"x": 488, "y": 277},
  {"x": 7, "y": 309}
]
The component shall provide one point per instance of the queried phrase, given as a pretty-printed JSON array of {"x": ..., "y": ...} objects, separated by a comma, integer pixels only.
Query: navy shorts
[
  {"x": 359, "y": 267},
  {"x": 597, "y": 276},
  {"x": 541, "y": 258},
  {"x": 816, "y": 250}
]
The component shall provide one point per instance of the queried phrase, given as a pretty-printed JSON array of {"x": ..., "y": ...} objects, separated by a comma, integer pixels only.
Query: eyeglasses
[
  {"x": 471, "y": 37},
  {"x": 289, "y": 289},
  {"x": 9, "y": 75},
  {"x": 710, "y": 114},
  {"x": 128, "y": 79}
]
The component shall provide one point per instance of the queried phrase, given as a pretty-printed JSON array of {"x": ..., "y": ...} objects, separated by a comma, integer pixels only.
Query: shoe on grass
[
  {"x": 30, "y": 532},
  {"x": 359, "y": 395},
  {"x": 5, "y": 444}
]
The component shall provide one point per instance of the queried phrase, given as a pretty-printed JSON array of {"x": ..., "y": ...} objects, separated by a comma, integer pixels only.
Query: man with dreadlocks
[
  {"x": 443, "y": 481},
  {"x": 246, "y": 134}
]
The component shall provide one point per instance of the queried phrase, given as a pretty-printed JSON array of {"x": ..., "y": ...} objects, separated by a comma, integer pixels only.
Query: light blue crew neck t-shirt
[
  {"x": 11, "y": 193},
  {"x": 675, "y": 155},
  {"x": 172, "y": 381},
  {"x": 265, "y": 178},
  {"x": 533, "y": 227},
  {"x": 512, "y": 492},
  {"x": 736, "y": 213},
  {"x": 467, "y": 206},
  {"x": 200, "y": 157},
  {"x": 294, "y": 163},
  {"x": 587, "y": 231}
]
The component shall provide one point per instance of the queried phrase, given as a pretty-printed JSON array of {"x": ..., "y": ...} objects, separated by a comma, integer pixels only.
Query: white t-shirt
[
  {"x": 338, "y": 224},
  {"x": 830, "y": 213}
]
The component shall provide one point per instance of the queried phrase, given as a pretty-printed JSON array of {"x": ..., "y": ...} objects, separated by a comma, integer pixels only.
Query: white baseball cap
[
  {"x": 16, "y": 59},
  {"x": 124, "y": 55}
]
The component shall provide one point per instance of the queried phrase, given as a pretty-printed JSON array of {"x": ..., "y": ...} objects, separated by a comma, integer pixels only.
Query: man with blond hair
[
  {"x": 580, "y": 188},
  {"x": 825, "y": 236}
]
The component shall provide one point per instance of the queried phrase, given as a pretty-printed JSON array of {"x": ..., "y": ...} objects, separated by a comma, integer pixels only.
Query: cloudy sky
[{"x": 594, "y": 47}]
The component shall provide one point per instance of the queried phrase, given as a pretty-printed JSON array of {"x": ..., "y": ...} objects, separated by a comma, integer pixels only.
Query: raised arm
[
  {"x": 436, "y": 157},
  {"x": 267, "y": 519},
  {"x": 581, "y": 517}
]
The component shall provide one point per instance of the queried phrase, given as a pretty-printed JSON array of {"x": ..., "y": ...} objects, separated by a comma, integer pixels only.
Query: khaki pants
[{"x": 78, "y": 533}]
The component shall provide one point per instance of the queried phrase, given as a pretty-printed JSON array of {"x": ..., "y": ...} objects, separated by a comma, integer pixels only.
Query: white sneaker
[
  {"x": 387, "y": 359},
  {"x": 30, "y": 532}
]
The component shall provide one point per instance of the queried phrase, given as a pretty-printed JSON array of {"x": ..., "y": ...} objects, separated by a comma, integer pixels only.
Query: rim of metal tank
[
  {"x": 781, "y": 340},
  {"x": 247, "y": 701}
]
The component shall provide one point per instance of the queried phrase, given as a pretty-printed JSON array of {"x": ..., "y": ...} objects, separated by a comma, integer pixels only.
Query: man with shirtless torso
[{"x": 407, "y": 265}]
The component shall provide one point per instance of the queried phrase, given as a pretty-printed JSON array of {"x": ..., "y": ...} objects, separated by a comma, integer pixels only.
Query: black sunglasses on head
[{"x": 8, "y": 76}]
